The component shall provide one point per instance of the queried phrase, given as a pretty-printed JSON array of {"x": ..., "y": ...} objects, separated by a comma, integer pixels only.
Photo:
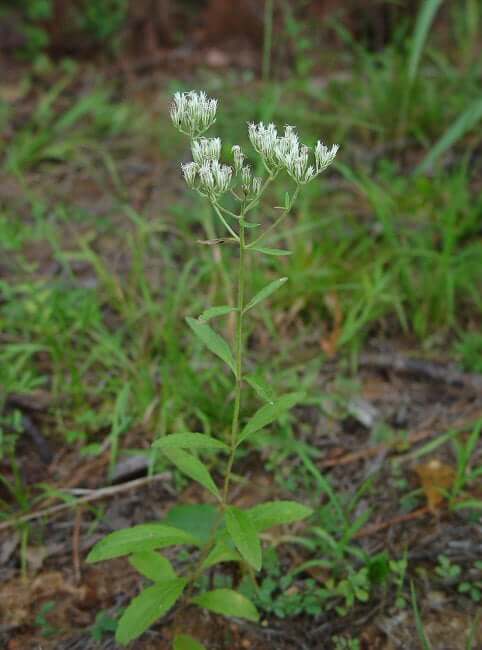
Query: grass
[{"x": 94, "y": 291}]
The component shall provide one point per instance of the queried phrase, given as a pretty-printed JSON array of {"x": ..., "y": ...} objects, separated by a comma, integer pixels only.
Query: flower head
[
  {"x": 190, "y": 172},
  {"x": 193, "y": 112},
  {"x": 209, "y": 178},
  {"x": 264, "y": 139},
  {"x": 324, "y": 156},
  {"x": 206, "y": 149},
  {"x": 238, "y": 156}
]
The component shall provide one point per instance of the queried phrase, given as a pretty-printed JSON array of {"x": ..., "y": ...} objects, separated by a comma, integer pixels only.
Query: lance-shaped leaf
[
  {"x": 277, "y": 252},
  {"x": 192, "y": 467},
  {"x": 146, "y": 608},
  {"x": 214, "y": 312},
  {"x": 276, "y": 513},
  {"x": 244, "y": 536},
  {"x": 228, "y": 603},
  {"x": 189, "y": 441},
  {"x": 265, "y": 293},
  {"x": 186, "y": 642},
  {"x": 213, "y": 341},
  {"x": 145, "y": 537},
  {"x": 262, "y": 388},
  {"x": 154, "y": 566},
  {"x": 268, "y": 413}
]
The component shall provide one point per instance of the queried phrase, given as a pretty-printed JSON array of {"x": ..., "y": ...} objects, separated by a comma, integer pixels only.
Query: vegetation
[{"x": 102, "y": 258}]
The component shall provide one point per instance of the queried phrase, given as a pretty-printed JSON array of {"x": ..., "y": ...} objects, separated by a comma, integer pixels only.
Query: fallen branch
[
  {"x": 428, "y": 369},
  {"x": 375, "y": 528},
  {"x": 412, "y": 438},
  {"x": 96, "y": 495}
]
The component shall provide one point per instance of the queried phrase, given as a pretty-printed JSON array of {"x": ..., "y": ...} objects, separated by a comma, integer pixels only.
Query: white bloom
[
  {"x": 193, "y": 112},
  {"x": 206, "y": 149},
  {"x": 251, "y": 186},
  {"x": 246, "y": 179},
  {"x": 324, "y": 156},
  {"x": 238, "y": 156},
  {"x": 190, "y": 172},
  {"x": 256, "y": 186},
  {"x": 264, "y": 139},
  {"x": 214, "y": 178}
]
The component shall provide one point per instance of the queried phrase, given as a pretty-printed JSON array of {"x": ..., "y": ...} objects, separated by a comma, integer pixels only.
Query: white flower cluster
[
  {"x": 287, "y": 152},
  {"x": 193, "y": 112},
  {"x": 209, "y": 177},
  {"x": 206, "y": 149}
]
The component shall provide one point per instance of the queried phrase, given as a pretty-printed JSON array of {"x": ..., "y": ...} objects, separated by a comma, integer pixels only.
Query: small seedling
[{"x": 235, "y": 535}]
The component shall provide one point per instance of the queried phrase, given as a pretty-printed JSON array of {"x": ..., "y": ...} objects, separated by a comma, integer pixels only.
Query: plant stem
[
  {"x": 277, "y": 222},
  {"x": 238, "y": 345}
]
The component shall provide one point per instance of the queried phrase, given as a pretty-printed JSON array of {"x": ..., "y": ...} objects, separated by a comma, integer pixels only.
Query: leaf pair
[{"x": 211, "y": 339}]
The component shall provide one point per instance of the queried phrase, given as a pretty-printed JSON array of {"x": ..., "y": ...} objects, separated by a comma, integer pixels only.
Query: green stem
[
  {"x": 277, "y": 222},
  {"x": 238, "y": 345},
  {"x": 225, "y": 223}
]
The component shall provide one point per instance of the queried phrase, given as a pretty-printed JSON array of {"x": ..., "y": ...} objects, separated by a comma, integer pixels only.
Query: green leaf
[
  {"x": 268, "y": 413},
  {"x": 186, "y": 642},
  {"x": 213, "y": 341},
  {"x": 276, "y": 513},
  {"x": 277, "y": 252},
  {"x": 264, "y": 293},
  {"x": 228, "y": 603},
  {"x": 145, "y": 537},
  {"x": 222, "y": 551},
  {"x": 198, "y": 519},
  {"x": 189, "y": 441},
  {"x": 244, "y": 536},
  {"x": 152, "y": 565},
  {"x": 262, "y": 388},
  {"x": 146, "y": 608},
  {"x": 213, "y": 312},
  {"x": 192, "y": 467}
]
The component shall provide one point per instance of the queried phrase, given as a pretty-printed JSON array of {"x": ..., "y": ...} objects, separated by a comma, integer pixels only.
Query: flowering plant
[{"x": 236, "y": 535}]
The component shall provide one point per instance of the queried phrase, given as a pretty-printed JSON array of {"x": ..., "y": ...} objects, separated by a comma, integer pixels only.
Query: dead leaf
[
  {"x": 329, "y": 343},
  {"x": 435, "y": 477}
]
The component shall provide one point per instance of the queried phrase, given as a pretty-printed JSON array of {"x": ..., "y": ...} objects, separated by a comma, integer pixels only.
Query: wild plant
[{"x": 235, "y": 536}]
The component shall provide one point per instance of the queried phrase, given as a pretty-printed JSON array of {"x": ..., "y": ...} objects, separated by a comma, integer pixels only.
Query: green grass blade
[
  {"x": 422, "y": 27},
  {"x": 464, "y": 123}
]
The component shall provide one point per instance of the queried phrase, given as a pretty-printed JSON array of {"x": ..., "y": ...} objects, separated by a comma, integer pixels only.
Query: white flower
[
  {"x": 193, "y": 112},
  {"x": 246, "y": 179},
  {"x": 256, "y": 186},
  {"x": 324, "y": 156},
  {"x": 206, "y": 149},
  {"x": 238, "y": 156},
  {"x": 264, "y": 139},
  {"x": 190, "y": 172},
  {"x": 214, "y": 178},
  {"x": 251, "y": 186}
]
